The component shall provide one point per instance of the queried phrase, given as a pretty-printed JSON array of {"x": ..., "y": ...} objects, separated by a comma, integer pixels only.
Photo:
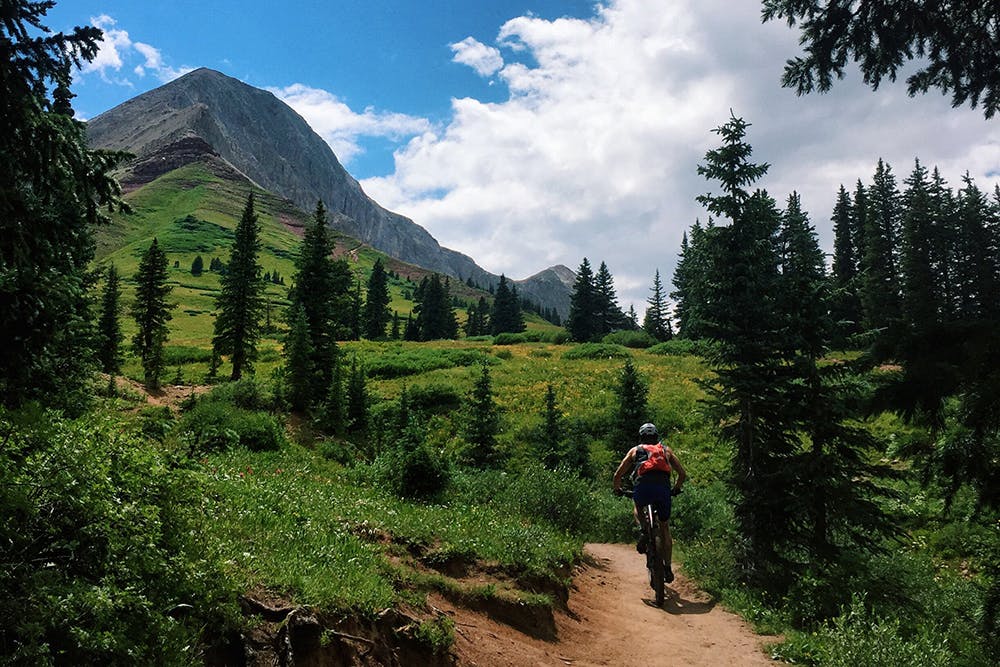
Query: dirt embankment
[{"x": 612, "y": 619}]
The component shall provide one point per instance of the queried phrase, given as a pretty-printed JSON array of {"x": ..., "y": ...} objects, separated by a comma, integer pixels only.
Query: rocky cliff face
[{"x": 206, "y": 112}]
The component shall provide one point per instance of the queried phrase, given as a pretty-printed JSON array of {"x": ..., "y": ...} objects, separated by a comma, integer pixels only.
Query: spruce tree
[
  {"x": 845, "y": 302},
  {"x": 240, "y": 302},
  {"x": 299, "y": 372},
  {"x": 690, "y": 281},
  {"x": 321, "y": 289},
  {"x": 482, "y": 423},
  {"x": 550, "y": 440},
  {"x": 657, "y": 320},
  {"x": 394, "y": 329},
  {"x": 151, "y": 313},
  {"x": 53, "y": 191},
  {"x": 880, "y": 294},
  {"x": 506, "y": 316},
  {"x": 631, "y": 411},
  {"x": 609, "y": 315},
  {"x": 334, "y": 414},
  {"x": 357, "y": 398},
  {"x": 376, "y": 314},
  {"x": 197, "y": 266},
  {"x": 976, "y": 267},
  {"x": 355, "y": 323},
  {"x": 109, "y": 329},
  {"x": 581, "y": 322}
]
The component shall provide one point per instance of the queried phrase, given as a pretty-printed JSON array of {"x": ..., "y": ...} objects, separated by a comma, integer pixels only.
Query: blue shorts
[{"x": 657, "y": 495}]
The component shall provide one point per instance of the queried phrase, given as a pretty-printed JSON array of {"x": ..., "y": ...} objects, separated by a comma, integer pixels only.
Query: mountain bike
[{"x": 650, "y": 525}]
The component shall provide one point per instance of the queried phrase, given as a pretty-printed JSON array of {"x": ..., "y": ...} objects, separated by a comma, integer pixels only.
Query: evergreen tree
[
  {"x": 845, "y": 303},
  {"x": 609, "y": 315},
  {"x": 803, "y": 298},
  {"x": 880, "y": 286},
  {"x": 197, "y": 266},
  {"x": 657, "y": 320},
  {"x": 299, "y": 371},
  {"x": 690, "y": 286},
  {"x": 976, "y": 268},
  {"x": 482, "y": 423},
  {"x": 921, "y": 300},
  {"x": 53, "y": 190},
  {"x": 749, "y": 395},
  {"x": 357, "y": 398},
  {"x": 631, "y": 392},
  {"x": 321, "y": 289},
  {"x": 943, "y": 247},
  {"x": 394, "y": 329},
  {"x": 241, "y": 296},
  {"x": 151, "y": 312},
  {"x": 334, "y": 415},
  {"x": 357, "y": 306},
  {"x": 581, "y": 322},
  {"x": 376, "y": 315},
  {"x": 506, "y": 316},
  {"x": 550, "y": 441},
  {"x": 108, "y": 328},
  {"x": 435, "y": 317}
]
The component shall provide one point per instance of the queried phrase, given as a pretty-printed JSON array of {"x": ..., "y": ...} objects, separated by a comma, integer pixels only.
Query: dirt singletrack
[{"x": 612, "y": 619}]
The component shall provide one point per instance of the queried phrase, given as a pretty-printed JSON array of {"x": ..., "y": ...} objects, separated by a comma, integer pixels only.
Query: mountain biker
[{"x": 652, "y": 463}]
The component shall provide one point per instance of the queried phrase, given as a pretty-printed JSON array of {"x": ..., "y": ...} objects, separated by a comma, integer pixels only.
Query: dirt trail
[{"x": 613, "y": 620}]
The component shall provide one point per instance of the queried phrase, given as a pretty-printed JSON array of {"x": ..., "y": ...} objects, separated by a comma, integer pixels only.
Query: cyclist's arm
[
  {"x": 676, "y": 465},
  {"x": 623, "y": 468}
]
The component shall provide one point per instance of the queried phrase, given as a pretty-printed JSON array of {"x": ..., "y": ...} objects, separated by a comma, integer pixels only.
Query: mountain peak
[{"x": 206, "y": 112}]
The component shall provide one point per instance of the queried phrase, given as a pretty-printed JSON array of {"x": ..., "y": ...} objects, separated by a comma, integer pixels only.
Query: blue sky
[{"x": 533, "y": 133}]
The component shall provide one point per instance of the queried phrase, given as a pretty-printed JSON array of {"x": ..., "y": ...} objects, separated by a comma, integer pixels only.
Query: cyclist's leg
[{"x": 668, "y": 548}]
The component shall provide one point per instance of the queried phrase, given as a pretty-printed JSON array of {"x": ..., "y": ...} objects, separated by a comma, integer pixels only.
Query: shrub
[
  {"x": 596, "y": 351},
  {"x": 435, "y": 397},
  {"x": 215, "y": 426},
  {"x": 412, "y": 470},
  {"x": 248, "y": 393},
  {"x": 503, "y": 354},
  {"x": 175, "y": 355},
  {"x": 634, "y": 339},
  {"x": 510, "y": 339},
  {"x": 400, "y": 362},
  {"x": 682, "y": 347},
  {"x": 101, "y": 542},
  {"x": 557, "y": 337}
]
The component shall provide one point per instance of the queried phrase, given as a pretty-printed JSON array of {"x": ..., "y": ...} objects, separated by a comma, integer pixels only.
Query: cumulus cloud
[
  {"x": 594, "y": 151},
  {"x": 486, "y": 60},
  {"x": 340, "y": 126},
  {"x": 117, "y": 50}
]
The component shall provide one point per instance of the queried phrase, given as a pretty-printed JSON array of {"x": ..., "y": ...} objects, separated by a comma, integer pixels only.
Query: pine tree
[
  {"x": 376, "y": 314},
  {"x": 609, "y": 315},
  {"x": 54, "y": 191},
  {"x": 631, "y": 411},
  {"x": 506, "y": 316},
  {"x": 334, "y": 414},
  {"x": 151, "y": 312},
  {"x": 976, "y": 249},
  {"x": 689, "y": 281},
  {"x": 482, "y": 423},
  {"x": 197, "y": 266},
  {"x": 299, "y": 371},
  {"x": 241, "y": 296},
  {"x": 355, "y": 323},
  {"x": 394, "y": 329},
  {"x": 435, "y": 318},
  {"x": 657, "y": 320},
  {"x": 581, "y": 322},
  {"x": 551, "y": 436},
  {"x": 845, "y": 303},
  {"x": 803, "y": 282},
  {"x": 880, "y": 293},
  {"x": 109, "y": 330},
  {"x": 321, "y": 289},
  {"x": 357, "y": 398}
]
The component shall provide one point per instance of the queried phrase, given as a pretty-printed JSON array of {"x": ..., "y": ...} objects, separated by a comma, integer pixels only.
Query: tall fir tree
[
  {"x": 690, "y": 286},
  {"x": 299, "y": 372},
  {"x": 109, "y": 329},
  {"x": 53, "y": 191},
  {"x": 435, "y": 318},
  {"x": 376, "y": 314},
  {"x": 151, "y": 313},
  {"x": 506, "y": 316},
  {"x": 657, "y": 320},
  {"x": 581, "y": 322},
  {"x": 357, "y": 398},
  {"x": 631, "y": 407},
  {"x": 609, "y": 315},
  {"x": 322, "y": 290},
  {"x": 240, "y": 302},
  {"x": 976, "y": 258},
  {"x": 845, "y": 302},
  {"x": 357, "y": 305},
  {"x": 482, "y": 423},
  {"x": 880, "y": 294}
]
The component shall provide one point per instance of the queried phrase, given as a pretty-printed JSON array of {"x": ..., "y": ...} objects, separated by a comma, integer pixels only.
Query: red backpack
[{"x": 649, "y": 458}]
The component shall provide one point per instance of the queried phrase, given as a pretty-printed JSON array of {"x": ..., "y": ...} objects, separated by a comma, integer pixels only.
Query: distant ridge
[{"x": 206, "y": 113}]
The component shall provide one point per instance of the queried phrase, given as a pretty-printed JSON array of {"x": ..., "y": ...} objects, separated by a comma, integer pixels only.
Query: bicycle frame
[{"x": 655, "y": 548}]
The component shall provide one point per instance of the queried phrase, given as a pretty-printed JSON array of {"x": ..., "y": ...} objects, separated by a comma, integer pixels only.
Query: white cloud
[
  {"x": 118, "y": 49},
  {"x": 486, "y": 60},
  {"x": 594, "y": 152},
  {"x": 342, "y": 127}
]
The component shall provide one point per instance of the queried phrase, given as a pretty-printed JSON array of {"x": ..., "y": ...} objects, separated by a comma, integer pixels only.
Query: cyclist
[{"x": 652, "y": 463}]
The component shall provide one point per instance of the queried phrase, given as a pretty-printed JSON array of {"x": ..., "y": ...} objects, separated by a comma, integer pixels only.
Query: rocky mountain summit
[{"x": 206, "y": 113}]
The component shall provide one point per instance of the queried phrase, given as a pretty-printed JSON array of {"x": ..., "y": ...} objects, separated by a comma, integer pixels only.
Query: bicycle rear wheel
[{"x": 656, "y": 550}]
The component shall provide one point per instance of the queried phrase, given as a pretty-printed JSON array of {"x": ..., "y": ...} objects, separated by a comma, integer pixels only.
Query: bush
[
  {"x": 596, "y": 351},
  {"x": 510, "y": 339},
  {"x": 436, "y": 397},
  {"x": 413, "y": 471},
  {"x": 248, "y": 393},
  {"x": 215, "y": 426},
  {"x": 682, "y": 347},
  {"x": 634, "y": 339},
  {"x": 400, "y": 362},
  {"x": 101, "y": 538},
  {"x": 557, "y": 337},
  {"x": 175, "y": 355}
]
